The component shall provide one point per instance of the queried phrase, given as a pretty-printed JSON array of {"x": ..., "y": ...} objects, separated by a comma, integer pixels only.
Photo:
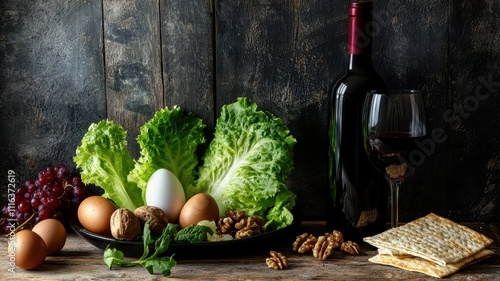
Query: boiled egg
[
  {"x": 29, "y": 249},
  {"x": 94, "y": 213},
  {"x": 164, "y": 190},
  {"x": 200, "y": 207},
  {"x": 53, "y": 234}
]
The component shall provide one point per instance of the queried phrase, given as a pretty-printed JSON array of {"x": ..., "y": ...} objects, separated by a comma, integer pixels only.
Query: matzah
[
  {"x": 384, "y": 251},
  {"x": 427, "y": 267},
  {"x": 432, "y": 238}
]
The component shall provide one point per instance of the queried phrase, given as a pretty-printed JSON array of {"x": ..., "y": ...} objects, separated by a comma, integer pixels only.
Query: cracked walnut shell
[
  {"x": 159, "y": 219},
  {"x": 277, "y": 260},
  {"x": 124, "y": 225}
]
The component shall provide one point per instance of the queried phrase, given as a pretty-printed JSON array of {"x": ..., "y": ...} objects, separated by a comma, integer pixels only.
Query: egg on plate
[{"x": 164, "y": 190}]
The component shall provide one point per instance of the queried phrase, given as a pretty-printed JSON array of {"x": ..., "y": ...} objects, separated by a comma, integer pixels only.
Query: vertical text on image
[{"x": 11, "y": 225}]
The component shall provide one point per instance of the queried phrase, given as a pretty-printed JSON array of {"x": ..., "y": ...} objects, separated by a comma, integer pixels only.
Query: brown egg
[
  {"x": 201, "y": 206},
  {"x": 53, "y": 234},
  {"x": 94, "y": 213},
  {"x": 29, "y": 248}
]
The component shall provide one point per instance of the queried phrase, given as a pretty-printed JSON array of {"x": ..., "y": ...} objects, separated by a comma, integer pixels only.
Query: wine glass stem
[{"x": 394, "y": 185}]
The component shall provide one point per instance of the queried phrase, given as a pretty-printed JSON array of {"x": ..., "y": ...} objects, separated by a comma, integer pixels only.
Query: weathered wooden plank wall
[
  {"x": 411, "y": 50},
  {"x": 474, "y": 97},
  {"x": 52, "y": 82},
  {"x": 66, "y": 64}
]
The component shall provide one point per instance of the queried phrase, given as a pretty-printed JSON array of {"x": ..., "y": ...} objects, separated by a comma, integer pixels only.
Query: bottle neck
[
  {"x": 359, "y": 46},
  {"x": 360, "y": 61}
]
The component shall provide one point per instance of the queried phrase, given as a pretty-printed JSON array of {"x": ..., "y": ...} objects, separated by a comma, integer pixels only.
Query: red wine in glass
[
  {"x": 393, "y": 122},
  {"x": 390, "y": 153}
]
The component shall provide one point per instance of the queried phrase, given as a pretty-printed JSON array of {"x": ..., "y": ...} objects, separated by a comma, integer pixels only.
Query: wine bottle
[{"x": 358, "y": 193}]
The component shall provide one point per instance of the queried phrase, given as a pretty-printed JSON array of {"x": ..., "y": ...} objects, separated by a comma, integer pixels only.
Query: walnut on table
[
  {"x": 304, "y": 243},
  {"x": 350, "y": 247},
  {"x": 323, "y": 248},
  {"x": 326, "y": 244},
  {"x": 277, "y": 261}
]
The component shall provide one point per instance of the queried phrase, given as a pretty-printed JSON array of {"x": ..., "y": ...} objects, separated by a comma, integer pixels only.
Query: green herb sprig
[{"x": 151, "y": 263}]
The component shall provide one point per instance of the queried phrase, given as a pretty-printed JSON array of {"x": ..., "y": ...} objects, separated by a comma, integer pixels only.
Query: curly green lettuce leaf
[
  {"x": 279, "y": 215},
  {"x": 247, "y": 163},
  {"x": 169, "y": 140},
  {"x": 105, "y": 161}
]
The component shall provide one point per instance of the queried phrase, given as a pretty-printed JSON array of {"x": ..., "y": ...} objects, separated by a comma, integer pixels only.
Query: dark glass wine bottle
[{"x": 358, "y": 192}]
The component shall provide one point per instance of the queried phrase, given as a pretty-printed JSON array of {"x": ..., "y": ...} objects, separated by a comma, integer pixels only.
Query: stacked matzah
[{"x": 432, "y": 245}]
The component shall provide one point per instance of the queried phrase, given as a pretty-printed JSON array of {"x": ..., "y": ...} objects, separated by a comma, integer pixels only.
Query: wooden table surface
[{"x": 80, "y": 260}]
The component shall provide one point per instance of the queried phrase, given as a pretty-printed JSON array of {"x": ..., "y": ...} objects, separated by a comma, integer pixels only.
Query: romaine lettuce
[
  {"x": 169, "y": 140},
  {"x": 105, "y": 161},
  {"x": 247, "y": 163}
]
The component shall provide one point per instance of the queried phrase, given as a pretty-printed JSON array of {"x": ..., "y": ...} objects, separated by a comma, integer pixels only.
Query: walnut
[
  {"x": 124, "y": 225},
  {"x": 249, "y": 226},
  {"x": 236, "y": 223},
  {"x": 337, "y": 237},
  {"x": 326, "y": 244},
  {"x": 277, "y": 260},
  {"x": 159, "y": 219},
  {"x": 322, "y": 249},
  {"x": 226, "y": 225},
  {"x": 350, "y": 247},
  {"x": 304, "y": 243}
]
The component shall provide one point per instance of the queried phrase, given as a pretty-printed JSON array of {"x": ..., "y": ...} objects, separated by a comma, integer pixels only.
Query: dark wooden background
[{"x": 65, "y": 64}]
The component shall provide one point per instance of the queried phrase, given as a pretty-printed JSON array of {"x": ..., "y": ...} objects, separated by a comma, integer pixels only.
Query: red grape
[
  {"x": 22, "y": 190},
  {"x": 44, "y": 212},
  {"x": 24, "y": 206},
  {"x": 54, "y": 193}
]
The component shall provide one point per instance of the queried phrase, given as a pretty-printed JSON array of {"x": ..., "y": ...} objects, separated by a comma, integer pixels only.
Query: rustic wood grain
[
  {"x": 474, "y": 110},
  {"x": 134, "y": 86},
  {"x": 187, "y": 52},
  {"x": 51, "y": 82},
  {"x": 79, "y": 260}
]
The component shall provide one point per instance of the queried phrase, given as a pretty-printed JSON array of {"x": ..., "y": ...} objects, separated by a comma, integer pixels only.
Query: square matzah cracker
[
  {"x": 432, "y": 238},
  {"x": 427, "y": 267}
]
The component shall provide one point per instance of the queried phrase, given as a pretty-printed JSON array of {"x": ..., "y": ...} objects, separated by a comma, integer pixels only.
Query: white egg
[{"x": 164, "y": 190}]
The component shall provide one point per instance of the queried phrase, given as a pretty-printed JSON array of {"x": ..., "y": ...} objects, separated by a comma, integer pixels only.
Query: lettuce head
[
  {"x": 247, "y": 163},
  {"x": 169, "y": 140},
  {"x": 105, "y": 161}
]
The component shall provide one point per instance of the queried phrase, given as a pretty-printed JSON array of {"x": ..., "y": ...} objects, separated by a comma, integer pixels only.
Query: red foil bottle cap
[
  {"x": 359, "y": 38},
  {"x": 360, "y": 9}
]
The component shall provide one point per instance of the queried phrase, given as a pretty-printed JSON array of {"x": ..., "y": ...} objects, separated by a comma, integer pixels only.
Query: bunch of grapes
[{"x": 56, "y": 193}]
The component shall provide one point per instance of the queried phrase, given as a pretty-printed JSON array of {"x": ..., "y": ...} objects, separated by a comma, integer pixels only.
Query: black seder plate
[{"x": 243, "y": 246}]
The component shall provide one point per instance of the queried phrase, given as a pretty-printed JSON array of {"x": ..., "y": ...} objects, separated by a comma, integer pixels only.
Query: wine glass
[{"x": 393, "y": 121}]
